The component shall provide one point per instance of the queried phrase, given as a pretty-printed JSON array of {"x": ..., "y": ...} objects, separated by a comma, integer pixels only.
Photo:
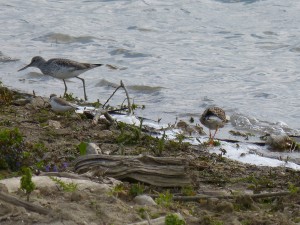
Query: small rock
[
  {"x": 39, "y": 102},
  {"x": 77, "y": 196},
  {"x": 109, "y": 148},
  {"x": 92, "y": 148},
  {"x": 55, "y": 124},
  {"x": 105, "y": 135},
  {"x": 144, "y": 200},
  {"x": 224, "y": 206},
  {"x": 280, "y": 142},
  {"x": 245, "y": 201}
]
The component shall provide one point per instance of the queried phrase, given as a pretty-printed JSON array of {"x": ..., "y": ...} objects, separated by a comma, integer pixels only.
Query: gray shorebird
[
  {"x": 61, "y": 105},
  {"x": 213, "y": 118},
  {"x": 61, "y": 69}
]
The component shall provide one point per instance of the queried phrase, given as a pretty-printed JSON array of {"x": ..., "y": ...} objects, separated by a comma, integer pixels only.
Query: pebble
[
  {"x": 92, "y": 148},
  {"x": 54, "y": 124},
  {"x": 144, "y": 200}
]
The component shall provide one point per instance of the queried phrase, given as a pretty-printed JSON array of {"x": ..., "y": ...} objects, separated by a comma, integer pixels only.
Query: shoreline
[{"x": 51, "y": 142}]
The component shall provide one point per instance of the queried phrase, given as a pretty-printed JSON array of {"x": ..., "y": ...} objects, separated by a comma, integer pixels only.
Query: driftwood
[
  {"x": 157, "y": 171},
  {"x": 106, "y": 114},
  {"x": 27, "y": 205}
]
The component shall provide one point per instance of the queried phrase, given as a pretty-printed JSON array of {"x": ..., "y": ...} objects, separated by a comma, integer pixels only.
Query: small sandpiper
[
  {"x": 61, "y": 69},
  {"x": 213, "y": 118},
  {"x": 61, "y": 105}
]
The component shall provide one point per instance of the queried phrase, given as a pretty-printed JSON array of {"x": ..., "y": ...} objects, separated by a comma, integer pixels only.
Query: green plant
[
  {"x": 119, "y": 188},
  {"x": 161, "y": 144},
  {"x": 164, "y": 199},
  {"x": 69, "y": 96},
  {"x": 176, "y": 146},
  {"x": 130, "y": 134},
  {"x": 180, "y": 137},
  {"x": 292, "y": 188},
  {"x": 211, "y": 221},
  {"x": 11, "y": 149},
  {"x": 26, "y": 183},
  {"x": 67, "y": 187},
  {"x": 82, "y": 148},
  {"x": 142, "y": 212},
  {"x": 96, "y": 104},
  {"x": 173, "y": 219},
  {"x": 136, "y": 189},
  {"x": 246, "y": 222},
  {"x": 6, "y": 96},
  {"x": 188, "y": 191},
  {"x": 257, "y": 182},
  {"x": 6, "y": 123},
  {"x": 217, "y": 143}
]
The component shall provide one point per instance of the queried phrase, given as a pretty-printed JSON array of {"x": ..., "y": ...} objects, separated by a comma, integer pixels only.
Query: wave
[
  {"x": 5, "y": 58},
  {"x": 128, "y": 53},
  {"x": 64, "y": 38}
]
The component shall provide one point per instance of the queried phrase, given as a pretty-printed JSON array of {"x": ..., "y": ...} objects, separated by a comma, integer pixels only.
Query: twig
[
  {"x": 127, "y": 96},
  {"x": 18, "y": 202},
  {"x": 111, "y": 96},
  {"x": 128, "y": 99}
]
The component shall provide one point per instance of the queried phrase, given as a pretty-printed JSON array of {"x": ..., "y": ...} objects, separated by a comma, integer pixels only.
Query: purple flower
[
  {"x": 64, "y": 165},
  {"x": 55, "y": 168},
  {"x": 47, "y": 168}
]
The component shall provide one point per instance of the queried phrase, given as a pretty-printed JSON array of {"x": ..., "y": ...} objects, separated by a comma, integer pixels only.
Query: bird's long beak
[{"x": 25, "y": 67}]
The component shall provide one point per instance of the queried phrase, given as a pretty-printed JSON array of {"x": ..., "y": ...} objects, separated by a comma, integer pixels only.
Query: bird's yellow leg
[
  {"x": 210, "y": 141},
  {"x": 215, "y": 133},
  {"x": 212, "y": 138}
]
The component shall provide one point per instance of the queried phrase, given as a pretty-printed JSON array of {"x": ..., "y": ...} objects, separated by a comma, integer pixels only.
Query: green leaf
[{"x": 82, "y": 148}]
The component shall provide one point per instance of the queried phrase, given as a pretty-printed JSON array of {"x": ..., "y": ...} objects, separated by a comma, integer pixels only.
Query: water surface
[{"x": 177, "y": 57}]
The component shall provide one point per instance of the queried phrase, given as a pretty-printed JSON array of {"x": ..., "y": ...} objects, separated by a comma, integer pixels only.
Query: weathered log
[
  {"x": 27, "y": 205},
  {"x": 157, "y": 171}
]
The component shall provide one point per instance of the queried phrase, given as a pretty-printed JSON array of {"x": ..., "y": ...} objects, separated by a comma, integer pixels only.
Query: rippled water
[{"x": 175, "y": 57}]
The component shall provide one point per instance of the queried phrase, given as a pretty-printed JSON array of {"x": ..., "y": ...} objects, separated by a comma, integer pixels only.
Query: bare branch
[
  {"x": 128, "y": 99},
  {"x": 127, "y": 96}
]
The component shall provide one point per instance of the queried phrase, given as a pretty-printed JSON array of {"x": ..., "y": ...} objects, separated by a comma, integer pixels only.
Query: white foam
[
  {"x": 248, "y": 153},
  {"x": 245, "y": 153}
]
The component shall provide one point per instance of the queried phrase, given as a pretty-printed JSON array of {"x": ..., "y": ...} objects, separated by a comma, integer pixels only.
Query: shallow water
[{"x": 175, "y": 57}]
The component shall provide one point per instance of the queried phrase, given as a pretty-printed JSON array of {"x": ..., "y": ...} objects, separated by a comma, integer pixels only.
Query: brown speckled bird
[{"x": 213, "y": 118}]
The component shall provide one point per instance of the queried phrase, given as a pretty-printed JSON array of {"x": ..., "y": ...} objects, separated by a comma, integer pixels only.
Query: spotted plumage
[
  {"x": 213, "y": 118},
  {"x": 61, "y": 69}
]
